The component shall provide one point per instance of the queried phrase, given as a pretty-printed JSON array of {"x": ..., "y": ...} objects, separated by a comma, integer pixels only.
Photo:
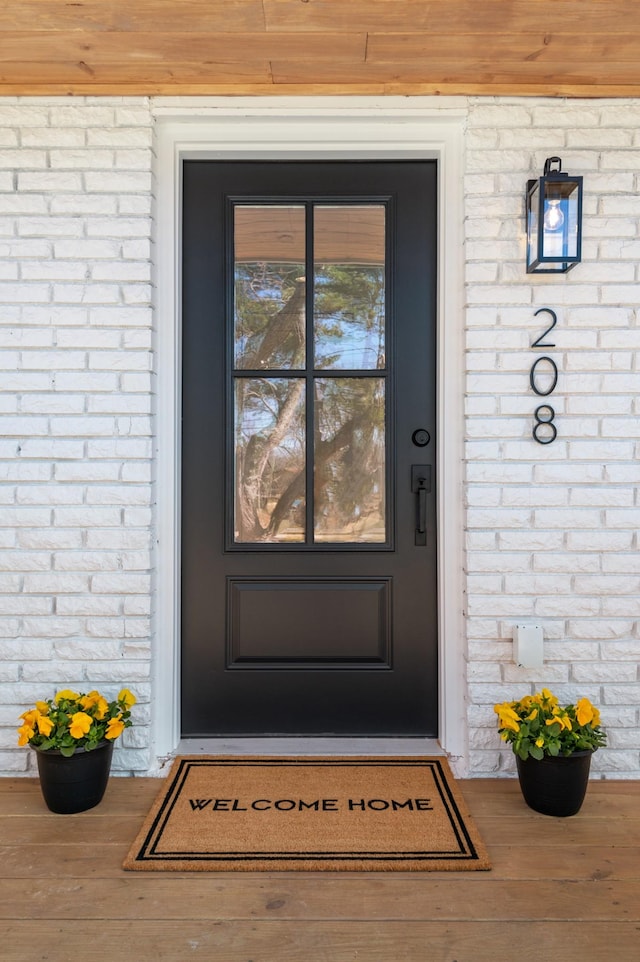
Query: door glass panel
[
  {"x": 269, "y": 287},
  {"x": 269, "y": 460},
  {"x": 349, "y": 449},
  {"x": 349, "y": 287}
]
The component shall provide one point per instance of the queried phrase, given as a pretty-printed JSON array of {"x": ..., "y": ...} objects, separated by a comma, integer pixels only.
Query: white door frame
[{"x": 304, "y": 128}]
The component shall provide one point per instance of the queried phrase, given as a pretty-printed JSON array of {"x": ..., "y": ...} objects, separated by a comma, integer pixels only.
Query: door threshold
[{"x": 311, "y": 745}]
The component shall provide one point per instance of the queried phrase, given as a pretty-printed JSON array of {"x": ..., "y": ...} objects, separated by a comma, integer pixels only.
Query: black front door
[{"x": 308, "y": 478}]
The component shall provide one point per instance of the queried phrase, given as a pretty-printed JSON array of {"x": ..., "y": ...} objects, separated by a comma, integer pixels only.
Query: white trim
[{"x": 326, "y": 128}]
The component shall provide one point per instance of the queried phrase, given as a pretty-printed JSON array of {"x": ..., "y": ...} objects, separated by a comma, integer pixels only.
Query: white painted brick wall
[
  {"x": 75, "y": 407},
  {"x": 551, "y": 531}
]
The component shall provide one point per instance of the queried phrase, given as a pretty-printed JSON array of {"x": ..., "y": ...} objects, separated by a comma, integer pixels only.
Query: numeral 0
[{"x": 532, "y": 375}]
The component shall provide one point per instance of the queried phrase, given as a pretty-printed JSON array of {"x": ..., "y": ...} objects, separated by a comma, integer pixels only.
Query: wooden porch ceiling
[{"x": 572, "y": 48}]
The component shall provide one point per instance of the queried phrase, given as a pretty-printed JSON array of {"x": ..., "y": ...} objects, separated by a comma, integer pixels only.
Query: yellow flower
[
  {"x": 508, "y": 718},
  {"x": 127, "y": 697},
  {"x": 562, "y": 719},
  {"x": 584, "y": 711},
  {"x": 549, "y": 697},
  {"x": 115, "y": 728},
  {"x": 25, "y": 734},
  {"x": 80, "y": 724},
  {"x": 95, "y": 700},
  {"x": 566, "y": 727},
  {"x": 73, "y": 720},
  {"x": 102, "y": 707},
  {"x": 45, "y": 725},
  {"x": 566, "y": 721}
]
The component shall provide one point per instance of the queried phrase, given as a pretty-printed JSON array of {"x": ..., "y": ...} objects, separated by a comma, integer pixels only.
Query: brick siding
[
  {"x": 551, "y": 530},
  {"x": 75, "y": 408}
]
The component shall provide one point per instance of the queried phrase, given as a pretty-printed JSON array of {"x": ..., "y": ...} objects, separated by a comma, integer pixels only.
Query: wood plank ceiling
[{"x": 568, "y": 48}]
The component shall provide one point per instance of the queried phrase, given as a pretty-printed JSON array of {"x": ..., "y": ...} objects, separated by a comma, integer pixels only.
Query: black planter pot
[
  {"x": 75, "y": 784},
  {"x": 555, "y": 786}
]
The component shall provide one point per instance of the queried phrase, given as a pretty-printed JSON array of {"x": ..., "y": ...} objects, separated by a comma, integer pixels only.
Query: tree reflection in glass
[
  {"x": 269, "y": 287},
  {"x": 269, "y": 460},
  {"x": 269, "y": 334},
  {"x": 349, "y": 287},
  {"x": 349, "y": 450}
]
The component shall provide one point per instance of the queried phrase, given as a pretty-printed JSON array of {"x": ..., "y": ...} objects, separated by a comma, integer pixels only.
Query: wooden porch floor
[{"x": 559, "y": 889}]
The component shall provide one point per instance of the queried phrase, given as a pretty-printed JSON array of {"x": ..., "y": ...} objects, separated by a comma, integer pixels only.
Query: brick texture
[
  {"x": 551, "y": 529},
  {"x": 560, "y": 521},
  {"x": 75, "y": 334}
]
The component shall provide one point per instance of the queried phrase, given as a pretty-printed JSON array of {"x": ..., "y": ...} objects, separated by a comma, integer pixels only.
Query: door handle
[
  {"x": 421, "y": 486},
  {"x": 421, "y": 520}
]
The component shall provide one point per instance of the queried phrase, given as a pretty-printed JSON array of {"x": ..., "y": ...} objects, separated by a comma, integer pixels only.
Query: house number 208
[{"x": 544, "y": 430}]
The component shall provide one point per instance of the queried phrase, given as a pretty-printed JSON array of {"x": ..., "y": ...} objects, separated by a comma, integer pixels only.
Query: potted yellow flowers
[
  {"x": 73, "y": 736},
  {"x": 553, "y": 745}
]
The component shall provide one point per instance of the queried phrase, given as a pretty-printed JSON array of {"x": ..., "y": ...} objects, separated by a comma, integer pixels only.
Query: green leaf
[
  {"x": 536, "y": 752},
  {"x": 67, "y": 750}
]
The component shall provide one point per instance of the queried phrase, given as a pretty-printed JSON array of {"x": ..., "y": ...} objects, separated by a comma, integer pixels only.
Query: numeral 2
[{"x": 539, "y": 342}]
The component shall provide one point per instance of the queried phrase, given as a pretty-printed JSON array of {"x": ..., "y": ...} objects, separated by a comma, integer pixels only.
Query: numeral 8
[{"x": 543, "y": 421}]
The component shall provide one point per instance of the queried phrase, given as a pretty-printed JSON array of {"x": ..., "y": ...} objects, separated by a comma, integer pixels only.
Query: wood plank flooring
[{"x": 559, "y": 889}]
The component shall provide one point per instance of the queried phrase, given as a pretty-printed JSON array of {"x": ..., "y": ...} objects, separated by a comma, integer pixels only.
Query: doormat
[{"x": 309, "y": 814}]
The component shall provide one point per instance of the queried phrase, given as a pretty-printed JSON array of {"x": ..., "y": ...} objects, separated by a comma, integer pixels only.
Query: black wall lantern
[{"x": 554, "y": 220}]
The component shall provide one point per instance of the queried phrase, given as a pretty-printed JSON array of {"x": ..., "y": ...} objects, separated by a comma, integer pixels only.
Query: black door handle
[
  {"x": 421, "y": 520},
  {"x": 421, "y": 486}
]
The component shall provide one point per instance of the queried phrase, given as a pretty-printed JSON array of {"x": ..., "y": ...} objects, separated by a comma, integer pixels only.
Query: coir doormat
[{"x": 310, "y": 814}]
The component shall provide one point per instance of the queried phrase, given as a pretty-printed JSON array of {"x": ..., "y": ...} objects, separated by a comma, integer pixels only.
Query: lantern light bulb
[{"x": 553, "y": 216}]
